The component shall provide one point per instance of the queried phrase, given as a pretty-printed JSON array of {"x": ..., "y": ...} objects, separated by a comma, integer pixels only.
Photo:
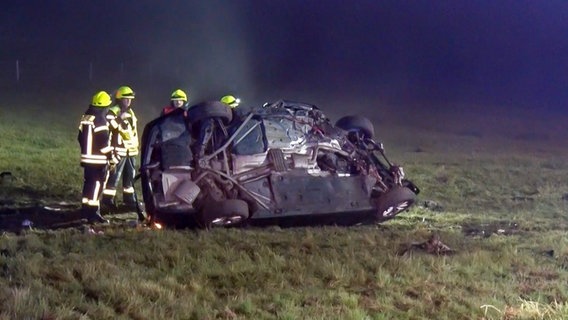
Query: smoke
[
  {"x": 200, "y": 47},
  {"x": 340, "y": 55}
]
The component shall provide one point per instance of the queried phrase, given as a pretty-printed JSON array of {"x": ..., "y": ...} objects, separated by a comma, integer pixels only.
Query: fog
[{"x": 359, "y": 56}]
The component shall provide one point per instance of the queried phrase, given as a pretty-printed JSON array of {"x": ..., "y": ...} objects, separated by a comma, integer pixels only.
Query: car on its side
[{"x": 284, "y": 161}]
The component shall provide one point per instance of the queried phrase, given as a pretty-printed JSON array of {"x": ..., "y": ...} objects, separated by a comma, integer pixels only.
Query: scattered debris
[
  {"x": 432, "y": 205},
  {"x": 548, "y": 253},
  {"x": 503, "y": 228},
  {"x": 522, "y": 198},
  {"x": 433, "y": 246},
  {"x": 54, "y": 216},
  {"x": 525, "y": 196},
  {"x": 27, "y": 224},
  {"x": 5, "y": 178},
  {"x": 90, "y": 230}
]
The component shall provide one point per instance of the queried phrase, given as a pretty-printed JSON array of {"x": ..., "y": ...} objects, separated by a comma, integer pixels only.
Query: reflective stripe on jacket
[
  {"x": 124, "y": 132},
  {"x": 94, "y": 137}
]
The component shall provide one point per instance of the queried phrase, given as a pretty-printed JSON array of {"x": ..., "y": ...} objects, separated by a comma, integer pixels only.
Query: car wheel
[
  {"x": 224, "y": 213},
  {"x": 357, "y": 123},
  {"x": 210, "y": 109},
  {"x": 395, "y": 201}
]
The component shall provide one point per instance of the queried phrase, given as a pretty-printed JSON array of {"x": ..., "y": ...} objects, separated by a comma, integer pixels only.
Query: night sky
[{"x": 507, "y": 53}]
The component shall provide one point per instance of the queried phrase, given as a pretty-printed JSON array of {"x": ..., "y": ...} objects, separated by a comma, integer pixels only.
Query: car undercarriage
[{"x": 282, "y": 161}]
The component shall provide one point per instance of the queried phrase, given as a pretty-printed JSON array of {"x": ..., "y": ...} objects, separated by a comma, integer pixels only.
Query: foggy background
[{"x": 345, "y": 56}]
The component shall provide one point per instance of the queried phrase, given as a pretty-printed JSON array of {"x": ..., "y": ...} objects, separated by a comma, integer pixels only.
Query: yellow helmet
[
  {"x": 101, "y": 99},
  {"x": 231, "y": 101},
  {"x": 179, "y": 95},
  {"x": 124, "y": 92}
]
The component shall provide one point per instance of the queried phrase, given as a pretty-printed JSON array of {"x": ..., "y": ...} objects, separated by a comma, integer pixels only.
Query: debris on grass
[
  {"x": 5, "y": 178},
  {"x": 92, "y": 231},
  {"x": 27, "y": 224},
  {"x": 431, "y": 205},
  {"x": 504, "y": 228},
  {"x": 432, "y": 246}
]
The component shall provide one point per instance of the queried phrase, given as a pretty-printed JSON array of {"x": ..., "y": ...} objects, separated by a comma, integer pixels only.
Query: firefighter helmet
[
  {"x": 179, "y": 95},
  {"x": 124, "y": 92},
  {"x": 101, "y": 99},
  {"x": 231, "y": 101}
]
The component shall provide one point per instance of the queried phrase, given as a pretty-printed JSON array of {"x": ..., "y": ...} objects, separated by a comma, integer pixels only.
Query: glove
[{"x": 114, "y": 159}]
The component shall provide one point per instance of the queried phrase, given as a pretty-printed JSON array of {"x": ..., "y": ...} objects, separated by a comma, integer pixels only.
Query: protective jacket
[
  {"x": 94, "y": 137},
  {"x": 168, "y": 109},
  {"x": 124, "y": 131}
]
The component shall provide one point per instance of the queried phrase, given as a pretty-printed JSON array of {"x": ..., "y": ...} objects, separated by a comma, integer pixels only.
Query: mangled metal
[{"x": 285, "y": 159}]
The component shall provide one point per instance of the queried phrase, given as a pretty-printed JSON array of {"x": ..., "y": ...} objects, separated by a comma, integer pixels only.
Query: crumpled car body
[{"x": 284, "y": 162}]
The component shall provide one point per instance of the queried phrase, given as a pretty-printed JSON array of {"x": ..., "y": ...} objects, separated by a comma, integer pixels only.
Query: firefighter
[
  {"x": 207, "y": 126},
  {"x": 231, "y": 101},
  {"x": 96, "y": 154},
  {"x": 178, "y": 99},
  {"x": 238, "y": 113},
  {"x": 124, "y": 138}
]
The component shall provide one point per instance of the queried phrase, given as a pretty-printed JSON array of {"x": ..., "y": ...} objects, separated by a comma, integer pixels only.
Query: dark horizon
[{"x": 512, "y": 54}]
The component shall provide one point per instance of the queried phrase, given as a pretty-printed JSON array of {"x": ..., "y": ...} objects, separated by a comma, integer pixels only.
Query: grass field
[{"x": 493, "y": 189}]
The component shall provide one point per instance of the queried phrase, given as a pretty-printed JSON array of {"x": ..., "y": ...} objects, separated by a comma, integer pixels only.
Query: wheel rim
[
  {"x": 394, "y": 210},
  {"x": 227, "y": 221}
]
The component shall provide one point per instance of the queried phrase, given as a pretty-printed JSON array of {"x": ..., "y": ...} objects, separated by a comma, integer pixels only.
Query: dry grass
[
  {"x": 312, "y": 273},
  {"x": 499, "y": 187}
]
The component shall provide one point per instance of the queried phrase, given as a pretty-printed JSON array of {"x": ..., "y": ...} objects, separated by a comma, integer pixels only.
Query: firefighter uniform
[
  {"x": 96, "y": 152},
  {"x": 178, "y": 99},
  {"x": 124, "y": 138}
]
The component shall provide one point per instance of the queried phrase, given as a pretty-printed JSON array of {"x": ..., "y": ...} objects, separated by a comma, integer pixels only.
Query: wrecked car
[{"x": 209, "y": 166}]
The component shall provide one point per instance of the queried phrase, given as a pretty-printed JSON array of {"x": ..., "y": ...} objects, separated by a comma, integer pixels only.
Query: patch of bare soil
[
  {"x": 52, "y": 217},
  {"x": 43, "y": 217}
]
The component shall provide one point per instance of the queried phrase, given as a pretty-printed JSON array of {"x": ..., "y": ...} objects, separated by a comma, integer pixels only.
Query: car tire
[
  {"x": 395, "y": 201},
  {"x": 210, "y": 109},
  {"x": 357, "y": 123},
  {"x": 224, "y": 213}
]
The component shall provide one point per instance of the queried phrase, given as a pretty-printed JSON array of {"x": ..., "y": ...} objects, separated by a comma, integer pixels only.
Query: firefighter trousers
[
  {"x": 126, "y": 169},
  {"x": 94, "y": 179}
]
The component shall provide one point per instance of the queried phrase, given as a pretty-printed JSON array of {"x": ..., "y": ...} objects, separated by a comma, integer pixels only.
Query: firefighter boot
[
  {"x": 108, "y": 204},
  {"x": 92, "y": 214},
  {"x": 129, "y": 200}
]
